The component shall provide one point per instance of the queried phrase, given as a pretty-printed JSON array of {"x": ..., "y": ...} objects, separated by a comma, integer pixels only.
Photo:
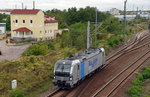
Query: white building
[
  {"x": 114, "y": 11},
  {"x": 6, "y": 11},
  {"x": 2, "y": 28}
]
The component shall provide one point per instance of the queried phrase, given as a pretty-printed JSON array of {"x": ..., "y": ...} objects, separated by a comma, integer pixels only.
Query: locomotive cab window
[{"x": 63, "y": 68}]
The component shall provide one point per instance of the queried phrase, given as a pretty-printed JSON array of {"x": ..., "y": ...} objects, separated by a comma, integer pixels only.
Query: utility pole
[
  {"x": 149, "y": 30},
  {"x": 149, "y": 27},
  {"x": 136, "y": 21},
  {"x": 124, "y": 26},
  {"x": 133, "y": 13},
  {"x": 22, "y": 6},
  {"x": 148, "y": 15},
  {"x": 88, "y": 34},
  {"x": 33, "y": 4},
  {"x": 15, "y": 6},
  {"x": 96, "y": 28}
]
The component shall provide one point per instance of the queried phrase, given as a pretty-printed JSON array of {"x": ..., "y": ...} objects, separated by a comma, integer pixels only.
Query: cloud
[{"x": 65, "y": 4}]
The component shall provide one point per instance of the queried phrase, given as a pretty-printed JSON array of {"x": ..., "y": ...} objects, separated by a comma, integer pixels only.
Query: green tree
[
  {"x": 78, "y": 33},
  {"x": 59, "y": 15},
  {"x": 8, "y": 24},
  {"x": 5, "y": 19},
  {"x": 112, "y": 25},
  {"x": 65, "y": 39},
  {"x": 72, "y": 16}
]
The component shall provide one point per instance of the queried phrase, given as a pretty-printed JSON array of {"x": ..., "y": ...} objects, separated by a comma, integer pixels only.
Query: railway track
[
  {"x": 113, "y": 84},
  {"x": 124, "y": 50},
  {"x": 53, "y": 93},
  {"x": 115, "y": 57}
]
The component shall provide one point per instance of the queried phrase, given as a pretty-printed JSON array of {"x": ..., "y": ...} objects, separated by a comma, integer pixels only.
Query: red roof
[
  {"x": 51, "y": 21},
  {"x": 49, "y": 16},
  {"x": 23, "y": 29},
  {"x": 8, "y": 9},
  {"x": 25, "y": 11}
]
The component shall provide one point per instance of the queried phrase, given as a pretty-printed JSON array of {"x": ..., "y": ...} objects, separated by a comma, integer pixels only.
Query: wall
[
  {"x": 37, "y": 27},
  {"x": 2, "y": 28},
  {"x": 50, "y": 30}
]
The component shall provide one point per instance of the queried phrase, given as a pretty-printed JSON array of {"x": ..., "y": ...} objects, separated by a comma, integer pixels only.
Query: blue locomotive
[{"x": 69, "y": 71}]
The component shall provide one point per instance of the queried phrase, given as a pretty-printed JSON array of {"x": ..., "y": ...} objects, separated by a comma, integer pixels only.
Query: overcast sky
[{"x": 103, "y": 5}]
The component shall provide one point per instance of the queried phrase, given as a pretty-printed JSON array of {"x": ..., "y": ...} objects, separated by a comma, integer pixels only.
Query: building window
[
  {"x": 31, "y": 21},
  {"x": 16, "y": 21},
  {"x": 17, "y": 33},
  {"x": 40, "y": 31},
  {"x": 24, "y": 33},
  {"x": 23, "y": 21},
  {"x": 31, "y": 33},
  {"x": 45, "y": 31},
  {"x": 50, "y": 31}
]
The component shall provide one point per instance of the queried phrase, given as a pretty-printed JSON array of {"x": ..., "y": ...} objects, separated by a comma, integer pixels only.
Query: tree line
[
  {"x": 76, "y": 20},
  {"x": 74, "y": 15},
  {"x": 5, "y": 19}
]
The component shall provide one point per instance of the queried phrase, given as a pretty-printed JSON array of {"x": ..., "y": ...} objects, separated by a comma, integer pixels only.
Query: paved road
[{"x": 10, "y": 52}]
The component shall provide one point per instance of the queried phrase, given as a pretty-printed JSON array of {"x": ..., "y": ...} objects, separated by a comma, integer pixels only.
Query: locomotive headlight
[
  {"x": 54, "y": 77},
  {"x": 70, "y": 78}
]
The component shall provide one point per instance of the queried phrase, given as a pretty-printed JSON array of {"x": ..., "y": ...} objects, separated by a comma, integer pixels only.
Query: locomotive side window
[
  {"x": 78, "y": 67},
  {"x": 103, "y": 53}
]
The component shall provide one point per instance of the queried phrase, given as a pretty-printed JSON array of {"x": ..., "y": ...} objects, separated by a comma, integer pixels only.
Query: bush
[
  {"x": 51, "y": 46},
  {"x": 146, "y": 73},
  {"x": 32, "y": 59},
  {"x": 135, "y": 90},
  {"x": 140, "y": 77},
  {"x": 36, "y": 50},
  {"x": 114, "y": 41},
  {"x": 17, "y": 93},
  {"x": 13, "y": 63}
]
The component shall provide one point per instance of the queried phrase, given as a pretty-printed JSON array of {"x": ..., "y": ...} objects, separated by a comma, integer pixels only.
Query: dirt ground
[
  {"x": 122, "y": 90},
  {"x": 10, "y": 52}
]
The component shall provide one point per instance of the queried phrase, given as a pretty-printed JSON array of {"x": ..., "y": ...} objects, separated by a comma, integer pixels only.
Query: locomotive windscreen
[{"x": 62, "y": 69}]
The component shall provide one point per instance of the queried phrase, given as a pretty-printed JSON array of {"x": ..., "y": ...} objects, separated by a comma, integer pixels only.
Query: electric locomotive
[{"x": 69, "y": 71}]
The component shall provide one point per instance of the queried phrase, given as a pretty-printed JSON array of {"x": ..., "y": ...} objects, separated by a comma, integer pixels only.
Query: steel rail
[{"x": 95, "y": 94}]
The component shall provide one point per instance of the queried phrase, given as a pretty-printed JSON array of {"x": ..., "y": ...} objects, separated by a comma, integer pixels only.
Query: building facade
[
  {"x": 114, "y": 11},
  {"x": 31, "y": 23},
  {"x": 2, "y": 28},
  {"x": 6, "y": 11}
]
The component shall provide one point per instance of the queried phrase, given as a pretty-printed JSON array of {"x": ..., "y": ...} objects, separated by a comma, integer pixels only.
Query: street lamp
[{"x": 124, "y": 26}]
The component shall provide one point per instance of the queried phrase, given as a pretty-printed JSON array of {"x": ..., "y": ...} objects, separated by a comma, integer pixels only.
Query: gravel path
[{"x": 10, "y": 52}]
